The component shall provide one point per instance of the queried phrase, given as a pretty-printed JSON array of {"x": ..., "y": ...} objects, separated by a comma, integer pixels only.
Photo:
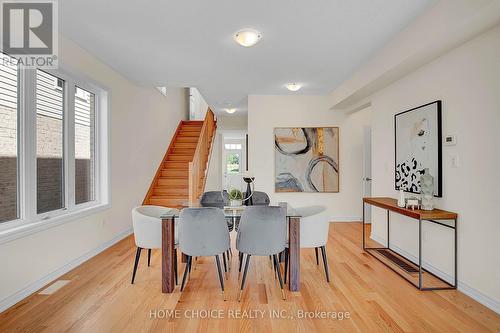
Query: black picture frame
[{"x": 439, "y": 177}]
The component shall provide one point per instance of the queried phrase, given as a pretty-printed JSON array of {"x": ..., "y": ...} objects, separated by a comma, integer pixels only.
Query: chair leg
[
  {"x": 274, "y": 267},
  {"x": 278, "y": 272},
  {"x": 228, "y": 261},
  {"x": 225, "y": 265},
  {"x": 317, "y": 259},
  {"x": 188, "y": 267},
  {"x": 325, "y": 263},
  {"x": 137, "y": 256},
  {"x": 175, "y": 266},
  {"x": 221, "y": 280},
  {"x": 247, "y": 262},
  {"x": 149, "y": 257},
  {"x": 241, "y": 257},
  {"x": 286, "y": 264}
]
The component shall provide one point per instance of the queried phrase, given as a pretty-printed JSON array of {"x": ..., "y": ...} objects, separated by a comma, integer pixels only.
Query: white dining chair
[
  {"x": 314, "y": 226},
  {"x": 146, "y": 221}
]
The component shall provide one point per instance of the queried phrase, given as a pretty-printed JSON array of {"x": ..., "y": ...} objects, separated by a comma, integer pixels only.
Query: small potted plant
[{"x": 235, "y": 197}]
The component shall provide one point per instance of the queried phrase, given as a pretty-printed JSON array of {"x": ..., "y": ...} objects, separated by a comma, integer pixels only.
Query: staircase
[{"x": 171, "y": 185}]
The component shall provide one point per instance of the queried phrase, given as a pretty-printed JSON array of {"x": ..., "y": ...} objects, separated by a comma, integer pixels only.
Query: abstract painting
[
  {"x": 418, "y": 146},
  {"x": 306, "y": 159}
]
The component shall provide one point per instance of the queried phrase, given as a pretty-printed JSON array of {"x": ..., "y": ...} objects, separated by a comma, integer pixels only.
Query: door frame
[{"x": 236, "y": 136}]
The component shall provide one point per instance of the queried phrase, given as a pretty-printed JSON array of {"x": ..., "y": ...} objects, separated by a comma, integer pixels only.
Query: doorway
[
  {"x": 367, "y": 170},
  {"x": 233, "y": 159}
]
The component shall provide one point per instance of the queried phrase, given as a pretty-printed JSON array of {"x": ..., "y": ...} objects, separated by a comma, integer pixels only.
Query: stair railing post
[{"x": 191, "y": 183}]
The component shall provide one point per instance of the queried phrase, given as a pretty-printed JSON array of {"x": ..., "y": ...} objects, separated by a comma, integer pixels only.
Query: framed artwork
[
  {"x": 418, "y": 146},
  {"x": 306, "y": 159}
]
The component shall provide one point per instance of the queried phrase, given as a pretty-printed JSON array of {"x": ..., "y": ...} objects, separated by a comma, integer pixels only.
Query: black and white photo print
[{"x": 418, "y": 146}]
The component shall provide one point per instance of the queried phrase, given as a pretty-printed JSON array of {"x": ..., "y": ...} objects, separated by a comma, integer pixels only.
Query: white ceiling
[{"x": 189, "y": 43}]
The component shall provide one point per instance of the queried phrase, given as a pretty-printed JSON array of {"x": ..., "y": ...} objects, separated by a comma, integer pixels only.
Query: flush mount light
[
  {"x": 232, "y": 110},
  {"x": 247, "y": 37},
  {"x": 294, "y": 86}
]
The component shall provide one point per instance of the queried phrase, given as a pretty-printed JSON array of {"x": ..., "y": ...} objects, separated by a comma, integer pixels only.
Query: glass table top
[{"x": 235, "y": 211}]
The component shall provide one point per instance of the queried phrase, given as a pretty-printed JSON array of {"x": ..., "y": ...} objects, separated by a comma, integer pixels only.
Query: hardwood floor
[{"x": 100, "y": 298}]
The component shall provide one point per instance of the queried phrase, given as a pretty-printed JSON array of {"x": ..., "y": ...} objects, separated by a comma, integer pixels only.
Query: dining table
[{"x": 168, "y": 253}]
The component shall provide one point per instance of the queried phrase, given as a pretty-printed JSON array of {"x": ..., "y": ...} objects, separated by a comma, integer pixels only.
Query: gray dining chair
[
  {"x": 262, "y": 232},
  {"x": 219, "y": 199},
  {"x": 260, "y": 199},
  {"x": 257, "y": 199},
  {"x": 203, "y": 232},
  {"x": 214, "y": 199}
]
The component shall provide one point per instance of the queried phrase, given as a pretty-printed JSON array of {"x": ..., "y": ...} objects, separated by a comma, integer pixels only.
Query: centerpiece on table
[{"x": 235, "y": 197}]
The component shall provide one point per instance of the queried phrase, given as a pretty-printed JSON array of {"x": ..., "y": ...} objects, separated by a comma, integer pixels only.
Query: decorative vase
[
  {"x": 427, "y": 190},
  {"x": 235, "y": 203},
  {"x": 401, "y": 200}
]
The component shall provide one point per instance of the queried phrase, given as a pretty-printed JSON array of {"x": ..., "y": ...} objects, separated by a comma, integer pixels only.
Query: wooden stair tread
[
  {"x": 167, "y": 175},
  {"x": 175, "y": 173},
  {"x": 183, "y": 151},
  {"x": 172, "y": 195}
]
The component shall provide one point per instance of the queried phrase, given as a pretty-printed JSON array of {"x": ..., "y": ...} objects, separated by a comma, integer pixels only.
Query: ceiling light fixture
[
  {"x": 294, "y": 86},
  {"x": 247, "y": 37},
  {"x": 232, "y": 110}
]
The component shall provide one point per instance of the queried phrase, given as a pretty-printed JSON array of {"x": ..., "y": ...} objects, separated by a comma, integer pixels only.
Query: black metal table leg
[
  {"x": 420, "y": 254},
  {"x": 364, "y": 247},
  {"x": 388, "y": 228},
  {"x": 456, "y": 256}
]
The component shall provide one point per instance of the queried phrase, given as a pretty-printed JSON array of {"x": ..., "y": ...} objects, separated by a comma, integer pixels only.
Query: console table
[{"x": 434, "y": 216}]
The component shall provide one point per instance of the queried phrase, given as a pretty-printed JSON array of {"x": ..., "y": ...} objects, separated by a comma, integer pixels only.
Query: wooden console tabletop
[{"x": 392, "y": 205}]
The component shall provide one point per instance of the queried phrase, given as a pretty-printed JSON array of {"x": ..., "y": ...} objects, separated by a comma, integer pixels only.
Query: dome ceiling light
[
  {"x": 294, "y": 86},
  {"x": 247, "y": 37}
]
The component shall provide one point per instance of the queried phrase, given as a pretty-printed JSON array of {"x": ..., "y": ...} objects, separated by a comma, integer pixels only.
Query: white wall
[
  {"x": 142, "y": 124},
  {"x": 267, "y": 112},
  {"x": 197, "y": 105},
  {"x": 467, "y": 80},
  {"x": 224, "y": 124},
  {"x": 443, "y": 27}
]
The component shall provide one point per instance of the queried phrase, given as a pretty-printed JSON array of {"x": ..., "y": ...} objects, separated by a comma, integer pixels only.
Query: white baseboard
[
  {"x": 33, "y": 287},
  {"x": 345, "y": 218},
  {"x": 462, "y": 286}
]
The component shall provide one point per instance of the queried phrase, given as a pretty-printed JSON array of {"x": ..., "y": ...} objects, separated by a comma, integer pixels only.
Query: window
[
  {"x": 162, "y": 90},
  {"x": 236, "y": 146},
  {"x": 84, "y": 145},
  {"x": 9, "y": 165},
  {"x": 53, "y": 146},
  {"x": 233, "y": 163},
  {"x": 49, "y": 142}
]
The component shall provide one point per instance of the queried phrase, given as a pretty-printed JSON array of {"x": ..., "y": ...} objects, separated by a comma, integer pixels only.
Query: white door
[
  {"x": 233, "y": 163},
  {"x": 367, "y": 169}
]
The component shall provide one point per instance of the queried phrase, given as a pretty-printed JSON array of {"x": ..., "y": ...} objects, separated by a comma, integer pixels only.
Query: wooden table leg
[
  {"x": 167, "y": 255},
  {"x": 294, "y": 255}
]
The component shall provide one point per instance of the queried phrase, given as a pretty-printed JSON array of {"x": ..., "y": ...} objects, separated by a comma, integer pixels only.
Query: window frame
[
  {"x": 29, "y": 221},
  {"x": 97, "y": 155}
]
